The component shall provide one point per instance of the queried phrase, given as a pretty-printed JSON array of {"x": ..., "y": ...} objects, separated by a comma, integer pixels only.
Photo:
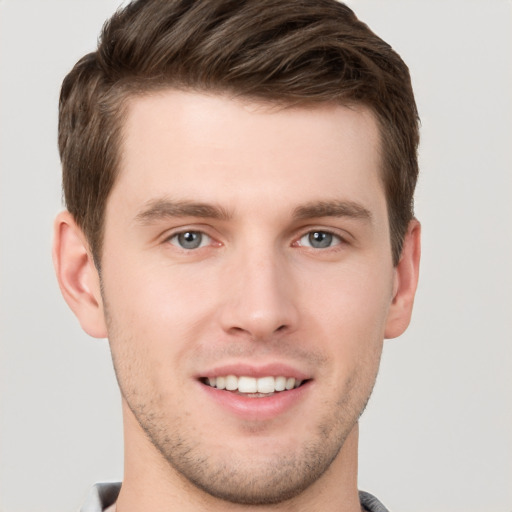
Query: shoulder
[
  {"x": 370, "y": 503},
  {"x": 101, "y": 496}
]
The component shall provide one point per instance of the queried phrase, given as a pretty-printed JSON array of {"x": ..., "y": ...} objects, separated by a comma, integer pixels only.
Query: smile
[{"x": 244, "y": 384}]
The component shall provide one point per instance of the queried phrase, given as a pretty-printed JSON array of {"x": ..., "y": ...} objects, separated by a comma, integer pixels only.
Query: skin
[{"x": 257, "y": 291}]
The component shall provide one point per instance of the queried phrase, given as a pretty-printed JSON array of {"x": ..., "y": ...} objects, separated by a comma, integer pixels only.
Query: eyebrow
[
  {"x": 163, "y": 208},
  {"x": 336, "y": 208},
  {"x": 159, "y": 209}
]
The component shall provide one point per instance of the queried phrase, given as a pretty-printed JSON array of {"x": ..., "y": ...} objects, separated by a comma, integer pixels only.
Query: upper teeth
[{"x": 253, "y": 385}]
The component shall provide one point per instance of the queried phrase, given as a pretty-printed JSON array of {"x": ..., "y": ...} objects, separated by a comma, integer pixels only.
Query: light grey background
[{"x": 437, "y": 435}]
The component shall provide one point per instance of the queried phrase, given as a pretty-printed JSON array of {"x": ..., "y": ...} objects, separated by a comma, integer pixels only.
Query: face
[{"x": 247, "y": 280}]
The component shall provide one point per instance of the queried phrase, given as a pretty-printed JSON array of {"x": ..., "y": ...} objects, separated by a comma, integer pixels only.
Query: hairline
[{"x": 126, "y": 91}]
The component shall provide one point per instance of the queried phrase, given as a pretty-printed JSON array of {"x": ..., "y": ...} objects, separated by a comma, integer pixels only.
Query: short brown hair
[{"x": 285, "y": 51}]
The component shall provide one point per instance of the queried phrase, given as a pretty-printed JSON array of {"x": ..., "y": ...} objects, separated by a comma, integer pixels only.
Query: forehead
[{"x": 210, "y": 147}]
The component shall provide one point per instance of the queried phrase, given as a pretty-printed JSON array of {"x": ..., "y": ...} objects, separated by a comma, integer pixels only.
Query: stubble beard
[
  {"x": 235, "y": 479},
  {"x": 232, "y": 477},
  {"x": 280, "y": 477}
]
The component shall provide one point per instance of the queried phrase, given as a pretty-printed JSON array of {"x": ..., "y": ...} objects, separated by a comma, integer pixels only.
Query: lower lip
[{"x": 258, "y": 408}]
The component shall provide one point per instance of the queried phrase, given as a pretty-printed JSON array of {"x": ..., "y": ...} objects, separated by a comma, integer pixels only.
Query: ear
[
  {"x": 405, "y": 282},
  {"x": 77, "y": 275}
]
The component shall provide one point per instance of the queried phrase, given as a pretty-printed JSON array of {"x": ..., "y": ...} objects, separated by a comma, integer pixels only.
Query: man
[{"x": 239, "y": 181}]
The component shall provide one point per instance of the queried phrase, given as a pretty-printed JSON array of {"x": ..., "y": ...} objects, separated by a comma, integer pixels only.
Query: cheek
[
  {"x": 156, "y": 293},
  {"x": 348, "y": 311},
  {"x": 357, "y": 297},
  {"x": 155, "y": 314}
]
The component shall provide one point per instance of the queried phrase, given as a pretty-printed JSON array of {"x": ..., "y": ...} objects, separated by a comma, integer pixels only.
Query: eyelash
[
  {"x": 185, "y": 232},
  {"x": 331, "y": 236},
  {"x": 334, "y": 237}
]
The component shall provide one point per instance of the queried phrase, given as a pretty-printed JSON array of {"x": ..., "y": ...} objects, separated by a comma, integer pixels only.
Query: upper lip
[{"x": 251, "y": 370}]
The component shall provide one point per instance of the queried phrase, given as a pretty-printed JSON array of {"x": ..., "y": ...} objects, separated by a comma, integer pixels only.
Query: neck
[{"x": 151, "y": 483}]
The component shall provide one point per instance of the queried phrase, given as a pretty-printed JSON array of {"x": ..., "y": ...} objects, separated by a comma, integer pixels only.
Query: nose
[{"x": 260, "y": 296}]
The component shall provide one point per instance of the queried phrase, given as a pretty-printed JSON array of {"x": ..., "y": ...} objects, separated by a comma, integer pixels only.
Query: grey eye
[
  {"x": 319, "y": 240},
  {"x": 190, "y": 240}
]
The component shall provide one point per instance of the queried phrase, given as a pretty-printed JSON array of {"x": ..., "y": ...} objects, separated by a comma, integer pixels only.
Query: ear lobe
[
  {"x": 405, "y": 282},
  {"x": 77, "y": 275}
]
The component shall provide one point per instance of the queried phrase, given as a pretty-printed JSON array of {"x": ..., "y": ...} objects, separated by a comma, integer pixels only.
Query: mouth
[
  {"x": 253, "y": 387},
  {"x": 257, "y": 393}
]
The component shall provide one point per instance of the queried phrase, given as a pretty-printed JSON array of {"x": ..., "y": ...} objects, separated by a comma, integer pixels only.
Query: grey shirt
[{"x": 103, "y": 495}]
